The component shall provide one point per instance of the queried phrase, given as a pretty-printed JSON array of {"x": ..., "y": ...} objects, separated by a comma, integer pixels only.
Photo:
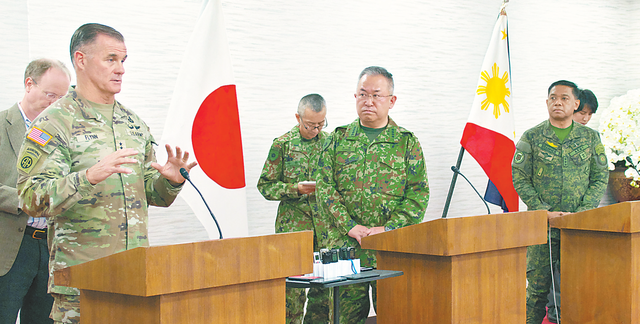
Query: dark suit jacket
[{"x": 12, "y": 220}]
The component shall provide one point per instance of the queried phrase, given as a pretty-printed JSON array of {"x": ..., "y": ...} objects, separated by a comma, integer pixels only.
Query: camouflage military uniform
[
  {"x": 568, "y": 176},
  {"x": 293, "y": 159},
  {"x": 89, "y": 221},
  {"x": 371, "y": 183}
]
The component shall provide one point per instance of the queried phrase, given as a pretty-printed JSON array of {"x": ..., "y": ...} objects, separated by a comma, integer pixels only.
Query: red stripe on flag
[
  {"x": 494, "y": 152},
  {"x": 216, "y": 139}
]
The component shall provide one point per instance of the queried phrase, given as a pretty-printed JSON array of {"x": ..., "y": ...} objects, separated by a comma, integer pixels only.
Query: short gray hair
[
  {"x": 377, "y": 70},
  {"x": 86, "y": 35},
  {"x": 312, "y": 101},
  {"x": 37, "y": 68}
]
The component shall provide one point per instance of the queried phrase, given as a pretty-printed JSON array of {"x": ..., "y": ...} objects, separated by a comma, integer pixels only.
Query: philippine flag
[
  {"x": 203, "y": 120},
  {"x": 490, "y": 133}
]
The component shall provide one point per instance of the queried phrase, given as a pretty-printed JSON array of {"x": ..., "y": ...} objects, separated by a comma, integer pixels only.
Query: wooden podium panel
[
  {"x": 255, "y": 302},
  {"x": 457, "y": 270},
  {"x": 600, "y": 264},
  {"x": 238, "y": 280}
]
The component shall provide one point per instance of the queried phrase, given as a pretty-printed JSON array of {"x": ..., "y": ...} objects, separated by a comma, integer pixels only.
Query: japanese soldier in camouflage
[
  {"x": 289, "y": 176},
  {"x": 373, "y": 178},
  {"x": 559, "y": 166},
  {"x": 88, "y": 164}
]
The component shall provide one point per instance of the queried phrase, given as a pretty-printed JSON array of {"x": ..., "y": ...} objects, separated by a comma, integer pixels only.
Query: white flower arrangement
[{"x": 620, "y": 130}]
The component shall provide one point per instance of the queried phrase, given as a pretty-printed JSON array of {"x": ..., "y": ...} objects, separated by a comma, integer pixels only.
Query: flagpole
[{"x": 453, "y": 183}]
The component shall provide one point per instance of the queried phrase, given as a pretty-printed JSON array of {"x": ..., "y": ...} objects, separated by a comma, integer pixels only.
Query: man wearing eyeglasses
[
  {"x": 372, "y": 179},
  {"x": 24, "y": 254},
  {"x": 289, "y": 176}
]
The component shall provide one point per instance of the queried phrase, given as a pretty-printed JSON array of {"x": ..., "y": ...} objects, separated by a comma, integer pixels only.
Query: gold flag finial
[{"x": 503, "y": 7}]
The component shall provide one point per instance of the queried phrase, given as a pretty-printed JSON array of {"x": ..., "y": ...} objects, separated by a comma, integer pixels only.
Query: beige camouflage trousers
[{"x": 66, "y": 309}]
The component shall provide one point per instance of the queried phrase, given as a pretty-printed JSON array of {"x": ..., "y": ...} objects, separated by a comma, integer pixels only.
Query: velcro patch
[
  {"x": 39, "y": 136},
  {"x": 524, "y": 146}
]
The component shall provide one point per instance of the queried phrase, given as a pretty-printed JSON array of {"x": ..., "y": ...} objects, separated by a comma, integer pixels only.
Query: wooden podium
[
  {"x": 238, "y": 280},
  {"x": 600, "y": 264},
  {"x": 457, "y": 270}
]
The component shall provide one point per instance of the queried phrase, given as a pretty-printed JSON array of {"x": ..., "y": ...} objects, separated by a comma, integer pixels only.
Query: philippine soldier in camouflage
[
  {"x": 372, "y": 178},
  {"x": 293, "y": 159},
  {"x": 559, "y": 166},
  {"x": 71, "y": 166}
]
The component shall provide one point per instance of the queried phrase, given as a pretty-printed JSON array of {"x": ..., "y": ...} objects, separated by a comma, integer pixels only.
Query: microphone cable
[
  {"x": 185, "y": 175},
  {"x": 456, "y": 170},
  {"x": 553, "y": 281}
]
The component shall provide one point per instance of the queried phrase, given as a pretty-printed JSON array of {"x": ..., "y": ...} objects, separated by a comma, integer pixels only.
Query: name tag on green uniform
[
  {"x": 88, "y": 137},
  {"x": 136, "y": 133}
]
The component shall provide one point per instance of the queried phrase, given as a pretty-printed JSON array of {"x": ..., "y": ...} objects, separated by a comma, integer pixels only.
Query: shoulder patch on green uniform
[
  {"x": 29, "y": 158},
  {"x": 599, "y": 149},
  {"x": 519, "y": 157},
  {"x": 602, "y": 159},
  {"x": 524, "y": 147},
  {"x": 274, "y": 153}
]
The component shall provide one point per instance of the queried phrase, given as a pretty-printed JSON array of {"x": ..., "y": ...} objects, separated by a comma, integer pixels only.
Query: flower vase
[{"x": 620, "y": 186}]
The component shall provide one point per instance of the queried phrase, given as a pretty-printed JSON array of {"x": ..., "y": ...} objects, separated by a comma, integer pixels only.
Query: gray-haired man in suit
[{"x": 24, "y": 254}]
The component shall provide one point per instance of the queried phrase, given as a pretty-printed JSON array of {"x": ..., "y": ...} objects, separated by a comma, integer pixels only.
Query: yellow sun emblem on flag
[{"x": 495, "y": 89}]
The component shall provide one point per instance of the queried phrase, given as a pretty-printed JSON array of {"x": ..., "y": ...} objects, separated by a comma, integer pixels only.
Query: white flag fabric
[
  {"x": 491, "y": 107},
  {"x": 203, "y": 120}
]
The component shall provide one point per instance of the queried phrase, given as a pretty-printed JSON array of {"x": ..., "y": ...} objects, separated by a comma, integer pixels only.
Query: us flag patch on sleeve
[{"x": 39, "y": 136}]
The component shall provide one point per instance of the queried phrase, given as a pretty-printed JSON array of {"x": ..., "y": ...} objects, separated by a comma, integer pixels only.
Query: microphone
[
  {"x": 185, "y": 175},
  {"x": 456, "y": 170}
]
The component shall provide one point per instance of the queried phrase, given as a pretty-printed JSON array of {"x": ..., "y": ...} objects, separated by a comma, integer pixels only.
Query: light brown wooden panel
[
  {"x": 481, "y": 288},
  {"x": 600, "y": 277},
  {"x": 421, "y": 295},
  {"x": 462, "y": 235},
  {"x": 102, "y": 308},
  {"x": 622, "y": 218},
  {"x": 262, "y": 302},
  {"x": 258, "y": 302},
  {"x": 489, "y": 287},
  {"x": 168, "y": 269}
]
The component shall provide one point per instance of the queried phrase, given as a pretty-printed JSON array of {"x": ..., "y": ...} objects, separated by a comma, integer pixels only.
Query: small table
[{"x": 320, "y": 283}]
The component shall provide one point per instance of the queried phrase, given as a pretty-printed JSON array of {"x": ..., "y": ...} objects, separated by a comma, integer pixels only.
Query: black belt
[{"x": 38, "y": 234}]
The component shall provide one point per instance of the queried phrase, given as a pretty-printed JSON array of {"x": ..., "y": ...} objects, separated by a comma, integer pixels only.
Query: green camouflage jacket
[
  {"x": 570, "y": 176},
  {"x": 379, "y": 183},
  {"x": 89, "y": 221},
  {"x": 291, "y": 160}
]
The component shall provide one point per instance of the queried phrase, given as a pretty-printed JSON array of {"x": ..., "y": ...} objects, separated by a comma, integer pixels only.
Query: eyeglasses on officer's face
[
  {"x": 50, "y": 95},
  {"x": 318, "y": 126},
  {"x": 363, "y": 96}
]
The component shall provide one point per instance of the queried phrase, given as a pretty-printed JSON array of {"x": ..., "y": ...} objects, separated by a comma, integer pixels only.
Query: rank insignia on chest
[{"x": 39, "y": 136}]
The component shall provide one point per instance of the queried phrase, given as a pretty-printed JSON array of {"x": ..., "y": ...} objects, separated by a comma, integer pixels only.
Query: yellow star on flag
[{"x": 495, "y": 89}]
